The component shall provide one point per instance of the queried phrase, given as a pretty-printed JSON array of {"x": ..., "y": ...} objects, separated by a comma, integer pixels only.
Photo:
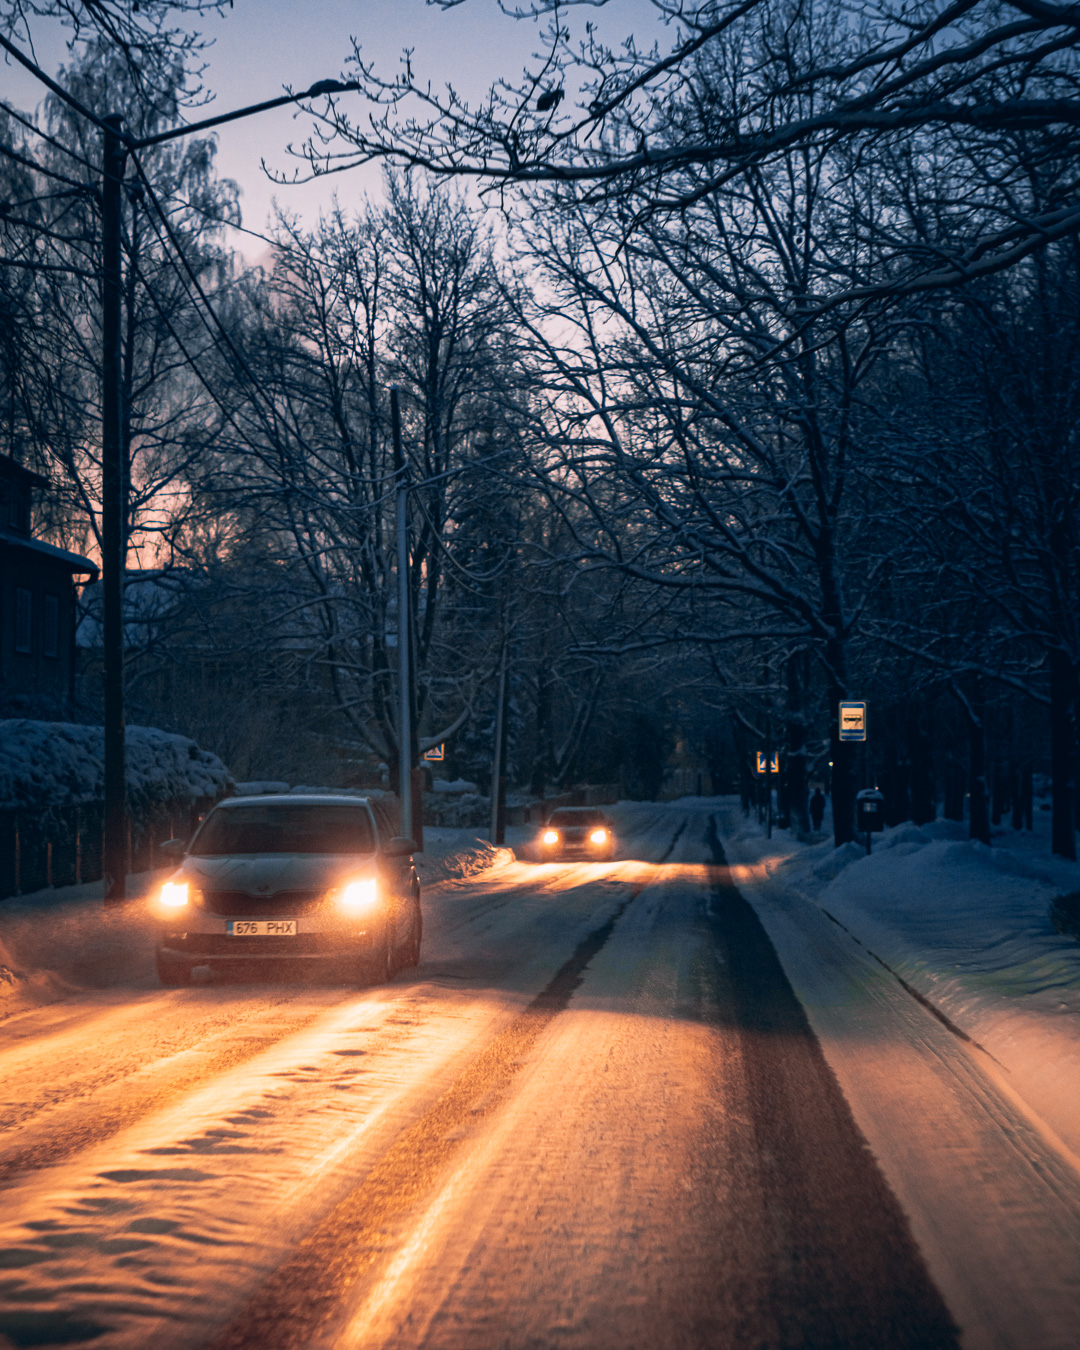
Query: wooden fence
[{"x": 62, "y": 846}]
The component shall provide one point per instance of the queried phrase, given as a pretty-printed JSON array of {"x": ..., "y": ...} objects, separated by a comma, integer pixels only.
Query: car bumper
[
  {"x": 205, "y": 938},
  {"x": 208, "y": 947}
]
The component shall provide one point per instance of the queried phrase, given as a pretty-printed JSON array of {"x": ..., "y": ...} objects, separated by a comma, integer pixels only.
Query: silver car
[{"x": 278, "y": 881}]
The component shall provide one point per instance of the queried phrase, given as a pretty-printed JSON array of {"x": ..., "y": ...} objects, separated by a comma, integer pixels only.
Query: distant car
[
  {"x": 577, "y": 832},
  {"x": 290, "y": 880}
]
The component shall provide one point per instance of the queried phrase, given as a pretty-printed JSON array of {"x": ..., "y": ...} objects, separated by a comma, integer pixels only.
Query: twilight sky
[{"x": 261, "y": 45}]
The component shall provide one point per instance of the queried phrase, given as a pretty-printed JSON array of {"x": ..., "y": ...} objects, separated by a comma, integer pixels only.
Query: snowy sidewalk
[{"x": 966, "y": 927}]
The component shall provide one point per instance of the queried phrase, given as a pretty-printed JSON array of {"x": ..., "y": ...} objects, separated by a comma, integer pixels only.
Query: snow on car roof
[{"x": 292, "y": 798}]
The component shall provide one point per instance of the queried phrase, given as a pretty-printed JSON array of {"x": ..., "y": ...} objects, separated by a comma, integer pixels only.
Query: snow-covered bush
[{"x": 50, "y": 765}]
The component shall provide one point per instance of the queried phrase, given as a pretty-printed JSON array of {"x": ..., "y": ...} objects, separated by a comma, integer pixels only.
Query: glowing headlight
[
  {"x": 358, "y": 895},
  {"x": 598, "y": 837},
  {"x": 174, "y": 894},
  {"x": 551, "y": 836}
]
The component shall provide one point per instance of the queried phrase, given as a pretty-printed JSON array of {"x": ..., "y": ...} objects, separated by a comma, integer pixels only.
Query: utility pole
[
  {"x": 116, "y": 145},
  {"x": 498, "y": 761},
  {"x": 114, "y": 477},
  {"x": 405, "y": 719}
]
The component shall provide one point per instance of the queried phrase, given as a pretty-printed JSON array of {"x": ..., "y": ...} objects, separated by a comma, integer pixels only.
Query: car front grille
[{"x": 242, "y": 904}]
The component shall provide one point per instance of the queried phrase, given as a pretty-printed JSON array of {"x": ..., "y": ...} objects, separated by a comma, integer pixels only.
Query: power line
[
  {"x": 50, "y": 83},
  {"x": 50, "y": 140}
]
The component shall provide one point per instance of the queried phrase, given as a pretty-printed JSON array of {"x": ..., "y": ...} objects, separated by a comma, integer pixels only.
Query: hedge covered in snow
[{"x": 49, "y": 765}]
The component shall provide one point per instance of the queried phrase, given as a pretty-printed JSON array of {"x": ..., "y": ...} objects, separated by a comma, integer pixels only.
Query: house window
[
  {"x": 50, "y": 628},
  {"x": 23, "y": 614}
]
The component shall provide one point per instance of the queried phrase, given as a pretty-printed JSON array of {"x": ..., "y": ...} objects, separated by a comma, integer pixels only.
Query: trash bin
[{"x": 869, "y": 810}]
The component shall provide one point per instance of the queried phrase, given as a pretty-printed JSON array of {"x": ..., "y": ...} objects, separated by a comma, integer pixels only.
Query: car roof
[{"x": 286, "y": 798}]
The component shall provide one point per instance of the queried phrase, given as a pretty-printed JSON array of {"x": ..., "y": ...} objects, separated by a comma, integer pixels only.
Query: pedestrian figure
[{"x": 817, "y": 808}]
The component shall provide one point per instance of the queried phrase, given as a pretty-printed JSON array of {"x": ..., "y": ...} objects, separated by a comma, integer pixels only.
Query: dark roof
[
  {"x": 74, "y": 562},
  {"x": 12, "y": 469}
]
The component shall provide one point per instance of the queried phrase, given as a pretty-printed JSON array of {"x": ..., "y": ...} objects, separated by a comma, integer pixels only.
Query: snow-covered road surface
[{"x": 594, "y": 1116}]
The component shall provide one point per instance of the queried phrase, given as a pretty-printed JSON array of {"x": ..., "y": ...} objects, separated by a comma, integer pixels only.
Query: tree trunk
[
  {"x": 894, "y": 773},
  {"x": 954, "y": 790},
  {"x": 746, "y": 781},
  {"x": 542, "y": 752},
  {"x": 978, "y": 797},
  {"x": 921, "y": 774},
  {"x": 1001, "y": 800},
  {"x": 1017, "y": 798},
  {"x": 1062, "y": 690},
  {"x": 794, "y": 804}
]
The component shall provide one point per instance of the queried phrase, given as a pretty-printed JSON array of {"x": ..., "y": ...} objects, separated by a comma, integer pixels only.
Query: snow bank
[
  {"x": 457, "y": 855},
  {"x": 967, "y": 926},
  {"x": 58, "y": 764},
  {"x": 58, "y": 942}
]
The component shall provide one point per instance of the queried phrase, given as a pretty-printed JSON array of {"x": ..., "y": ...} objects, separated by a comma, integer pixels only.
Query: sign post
[{"x": 852, "y": 720}]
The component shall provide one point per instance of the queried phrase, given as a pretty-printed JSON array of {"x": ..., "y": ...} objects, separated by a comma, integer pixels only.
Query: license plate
[{"x": 261, "y": 927}]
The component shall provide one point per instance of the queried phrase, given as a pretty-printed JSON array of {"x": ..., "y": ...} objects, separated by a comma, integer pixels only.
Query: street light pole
[
  {"x": 404, "y": 632},
  {"x": 114, "y": 856},
  {"x": 116, "y": 145}
]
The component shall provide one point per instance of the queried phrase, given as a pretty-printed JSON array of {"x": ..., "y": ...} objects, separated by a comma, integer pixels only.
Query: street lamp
[{"x": 116, "y": 146}]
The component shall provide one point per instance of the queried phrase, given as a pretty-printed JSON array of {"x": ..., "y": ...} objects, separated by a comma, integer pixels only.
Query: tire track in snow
[
  {"x": 94, "y": 1116},
  {"x": 348, "y": 1246}
]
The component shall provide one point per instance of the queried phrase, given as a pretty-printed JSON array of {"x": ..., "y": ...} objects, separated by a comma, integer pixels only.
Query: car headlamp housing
[
  {"x": 598, "y": 837},
  {"x": 174, "y": 895},
  {"x": 551, "y": 836},
  {"x": 358, "y": 896}
]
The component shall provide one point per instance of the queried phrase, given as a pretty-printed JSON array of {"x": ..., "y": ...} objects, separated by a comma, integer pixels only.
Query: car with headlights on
[
  {"x": 288, "y": 881},
  {"x": 577, "y": 832}
]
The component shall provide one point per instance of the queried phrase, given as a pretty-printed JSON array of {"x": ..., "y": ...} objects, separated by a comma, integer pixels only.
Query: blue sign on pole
[{"x": 852, "y": 721}]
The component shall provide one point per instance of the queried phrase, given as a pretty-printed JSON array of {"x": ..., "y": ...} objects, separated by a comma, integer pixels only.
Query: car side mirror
[
  {"x": 172, "y": 848},
  {"x": 400, "y": 847}
]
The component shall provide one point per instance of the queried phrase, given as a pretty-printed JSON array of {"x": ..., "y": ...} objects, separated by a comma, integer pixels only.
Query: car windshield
[
  {"x": 576, "y": 816},
  {"x": 293, "y": 828}
]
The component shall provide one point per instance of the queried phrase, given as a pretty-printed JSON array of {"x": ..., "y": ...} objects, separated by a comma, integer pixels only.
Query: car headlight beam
[
  {"x": 598, "y": 837},
  {"x": 359, "y": 895},
  {"x": 551, "y": 836}
]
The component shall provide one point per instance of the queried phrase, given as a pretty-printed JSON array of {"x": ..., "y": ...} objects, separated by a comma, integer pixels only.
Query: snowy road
[{"x": 595, "y": 1116}]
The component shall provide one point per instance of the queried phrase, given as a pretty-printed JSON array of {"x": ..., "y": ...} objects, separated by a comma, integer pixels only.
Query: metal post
[
  {"x": 405, "y": 736},
  {"x": 498, "y": 763},
  {"x": 113, "y": 522}
]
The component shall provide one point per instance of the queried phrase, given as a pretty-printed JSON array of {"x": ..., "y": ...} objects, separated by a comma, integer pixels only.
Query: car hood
[{"x": 268, "y": 873}]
